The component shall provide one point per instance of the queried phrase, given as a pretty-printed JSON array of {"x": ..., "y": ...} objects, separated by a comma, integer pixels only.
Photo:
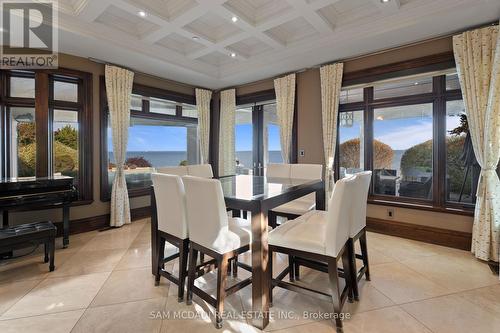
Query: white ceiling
[{"x": 269, "y": 38}]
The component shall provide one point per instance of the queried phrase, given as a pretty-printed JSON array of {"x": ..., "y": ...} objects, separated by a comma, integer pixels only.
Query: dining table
[{"x": 258, "y": 195}]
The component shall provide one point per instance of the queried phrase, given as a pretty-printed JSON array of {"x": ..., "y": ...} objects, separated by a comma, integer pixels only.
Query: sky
[{"x": 170, "y": 138}]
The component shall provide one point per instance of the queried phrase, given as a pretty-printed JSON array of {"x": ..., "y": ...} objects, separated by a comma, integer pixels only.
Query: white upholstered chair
[
  {"x": 276, "y": 170},
  {"x": 200, "y": 170},
  {"x": 358, "y": 228},
  {"x": 213, "y": 233},
  {"x": 169, "y": 214},
  {"x": 320, "y": 237},
  {"x": 299, "y": 206}
]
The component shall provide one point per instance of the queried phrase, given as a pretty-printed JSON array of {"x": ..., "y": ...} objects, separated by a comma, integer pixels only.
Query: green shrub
[
  {"x": 66, "y": 159},
  {"x": 418, "y": 157},
  {"x": 383, "y": 154}
]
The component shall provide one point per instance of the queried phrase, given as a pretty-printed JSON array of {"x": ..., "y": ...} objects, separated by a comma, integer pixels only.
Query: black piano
[{"x": 37, "y": 193}]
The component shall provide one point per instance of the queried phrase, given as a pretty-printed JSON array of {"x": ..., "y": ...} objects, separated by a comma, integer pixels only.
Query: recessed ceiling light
[
  {"x": 234, "y": 19},
  {"x": 195, "y": 37},
  {"x": 385, "y": 1},
  {"x": 232, "y": 55},
  {"x": 141, "y": 13},
  {"x": 416, "y": 83}
]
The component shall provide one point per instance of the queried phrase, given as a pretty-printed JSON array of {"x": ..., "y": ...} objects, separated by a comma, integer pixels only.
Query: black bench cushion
[{"x": 27, "y": 229}]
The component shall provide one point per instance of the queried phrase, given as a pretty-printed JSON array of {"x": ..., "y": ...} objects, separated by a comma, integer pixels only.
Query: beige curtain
[
  {"x": 203, "y": 98},
  {"x": 477, "y": 54},
  {"x": 285, "y": 103},
  {"x": 227, "y": 163},
  {"x": 331, "y": 82},
  {"x": 118, "y": 90}
]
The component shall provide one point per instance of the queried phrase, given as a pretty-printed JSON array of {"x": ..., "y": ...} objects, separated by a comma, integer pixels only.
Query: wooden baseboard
[
  {"x": 450, "y": 238},
  {"x": 100, "y": 221}
]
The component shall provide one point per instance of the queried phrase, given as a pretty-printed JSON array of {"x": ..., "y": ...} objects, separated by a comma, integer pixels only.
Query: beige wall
[
  {"x": 97, "y": 207},
  {"x": 310, "y": 132}
]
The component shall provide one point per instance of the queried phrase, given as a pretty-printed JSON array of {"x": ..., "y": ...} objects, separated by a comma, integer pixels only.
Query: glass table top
[{"x": 246, "y": 187}]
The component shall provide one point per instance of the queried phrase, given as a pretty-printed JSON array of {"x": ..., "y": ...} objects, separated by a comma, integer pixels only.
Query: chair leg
[
  {"x": 334, "y": 285},
  {"x": 353, "y": 278},
  {"x": 364, "y": 254},
  {"x": 221, "y": 290},
  {"x": 159, "y": 257},
  {"x": 193, "y": 256},
  {"x": 296, "y": 267},
  {"x": 291, "y": 268},
  {"x": 52, "y": 253},
  {"x": 272, "y": 219},
  {"x": 183, "y": 259},
  {"x": 235, "y": 267},
  {"x": 270, "y": 276},
  {"x": 46, "y": 250}
]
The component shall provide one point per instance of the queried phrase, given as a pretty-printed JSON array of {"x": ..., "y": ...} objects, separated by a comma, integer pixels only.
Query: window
[
  {"x": 243, "y": 137},
  {"x": 46, "y": 137},
  {"x": 351, "y": 143},
  {"x": 257, "y": 134},
  {"x": 351, "y": 95},
  {"x": 411, "y": 132},
  {"x": 162, "y": 132},
  {"x": 462, "y": 169},
  {"x": 402, "y": 151}
]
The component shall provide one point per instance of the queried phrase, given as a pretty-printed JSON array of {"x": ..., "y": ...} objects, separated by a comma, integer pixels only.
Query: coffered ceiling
[{"x": 192, "y": 40}]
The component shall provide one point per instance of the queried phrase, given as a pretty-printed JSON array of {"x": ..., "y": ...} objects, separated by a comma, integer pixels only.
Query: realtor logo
[{"x": 29, "y": 34}]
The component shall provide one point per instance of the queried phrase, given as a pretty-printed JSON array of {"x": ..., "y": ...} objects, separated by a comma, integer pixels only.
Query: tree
[
  {"x": 382, "y": 154},
  {"x": 68, "y": 136}
]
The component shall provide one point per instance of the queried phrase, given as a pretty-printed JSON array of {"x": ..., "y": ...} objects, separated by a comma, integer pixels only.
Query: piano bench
[{"x": 19, "y": 236}]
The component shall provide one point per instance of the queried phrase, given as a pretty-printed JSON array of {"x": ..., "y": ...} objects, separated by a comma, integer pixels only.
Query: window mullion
[
  {"x": 439, "y": 142},
  {"x": 368, "y": 130},
  {"x": 42, "y": 124}
]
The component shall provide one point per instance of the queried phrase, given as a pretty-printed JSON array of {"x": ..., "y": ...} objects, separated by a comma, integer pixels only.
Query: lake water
[{"x": 173, "y": 158}]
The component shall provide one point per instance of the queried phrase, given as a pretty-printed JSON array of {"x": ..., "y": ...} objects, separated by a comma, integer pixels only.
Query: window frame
[
  {"x": 438, "y": 98},
  {"x": 144, "y": 91},
  {"x": 44, "y": 104}
]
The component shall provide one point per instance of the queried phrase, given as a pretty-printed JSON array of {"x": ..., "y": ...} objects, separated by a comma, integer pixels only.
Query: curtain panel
[
  {"x": 477, "y": 55},
  {"x": 227, "y": 163},
  {"x": 203, "y": 98},
  {"x": 331, "y": 83},
  {"x": 119, "y": 83},
  {"x": 285, "y": 106}
]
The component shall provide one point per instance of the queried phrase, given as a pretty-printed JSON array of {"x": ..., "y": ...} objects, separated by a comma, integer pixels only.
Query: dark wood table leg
[
  {"x": 65, "y": 226},
  {"x": 5, "y": 219},
  {"x": 154, "y": 236},
  {"x": 260, "y": 283},
  {"x": 320, "y": 198}
]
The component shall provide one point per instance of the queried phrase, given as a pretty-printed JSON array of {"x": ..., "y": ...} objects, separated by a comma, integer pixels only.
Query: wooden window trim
[
  {"x": 438, "y": 97},
  {"x": 44, "y": 104},
  {"x": 105, "y": 193}
]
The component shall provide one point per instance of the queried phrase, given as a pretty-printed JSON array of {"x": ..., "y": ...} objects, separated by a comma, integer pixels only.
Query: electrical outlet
[
  {"x": 302, "y": 153},
  {"x": 390, "y": 213}
]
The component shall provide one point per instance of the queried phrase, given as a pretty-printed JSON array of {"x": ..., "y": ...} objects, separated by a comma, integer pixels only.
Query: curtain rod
[{"x": 365, "y": 55}]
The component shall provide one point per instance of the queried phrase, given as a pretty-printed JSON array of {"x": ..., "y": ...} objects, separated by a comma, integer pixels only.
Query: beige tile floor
[{"x": 103, "y": 283}]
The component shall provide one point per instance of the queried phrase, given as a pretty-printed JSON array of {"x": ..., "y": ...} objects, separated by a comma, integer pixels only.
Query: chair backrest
[
  {"x": 206, "y": 210},
  {"x": 176, "y": 170},
  {"x": 306, "y": 171},
  {"x": 359, "y": 204},
  {"x": 278, "y": 170},
  {"x": 200, "y": 170},
  {"x": 339, "y": 215},
  {"x": 170, "y": 204}
]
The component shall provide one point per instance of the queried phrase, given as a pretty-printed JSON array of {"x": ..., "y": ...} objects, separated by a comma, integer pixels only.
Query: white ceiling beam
[
  {"x": 300, "y": 6},
  {"x": 92, "y": 9}
]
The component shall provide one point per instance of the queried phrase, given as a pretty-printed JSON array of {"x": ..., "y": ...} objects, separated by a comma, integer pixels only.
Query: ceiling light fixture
[
  {"x": 385, "y": 1},
  {"x": 141, "y": 13},
  {"x": 234, "y": 19},
  {"x": 232, "y": 55},
  {"x": 195, "y": 37}
]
